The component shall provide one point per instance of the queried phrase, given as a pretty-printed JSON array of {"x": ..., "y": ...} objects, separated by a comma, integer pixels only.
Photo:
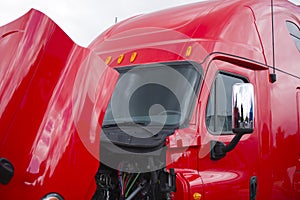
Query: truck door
[
  {"x": 235, "y": 175},
  {"x": 297, "y": 174}
]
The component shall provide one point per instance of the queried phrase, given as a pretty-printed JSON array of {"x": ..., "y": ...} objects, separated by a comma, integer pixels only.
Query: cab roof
[{"x": 214, "y": 25}]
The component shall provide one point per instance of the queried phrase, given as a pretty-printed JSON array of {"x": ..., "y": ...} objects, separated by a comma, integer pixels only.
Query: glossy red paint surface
[
  {"x": 237, "y": 36},
  {"x": 48, "y": 101},
  {"x": 46, "y": 90}
]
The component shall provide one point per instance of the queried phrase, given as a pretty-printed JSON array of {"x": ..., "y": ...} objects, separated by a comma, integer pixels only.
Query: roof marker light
[
  {"x": 188, "y": 51},
  {"x": 121, "y": 58},
  {"x": 108, "y": 59},
  {"x": 133, "y": 57}
]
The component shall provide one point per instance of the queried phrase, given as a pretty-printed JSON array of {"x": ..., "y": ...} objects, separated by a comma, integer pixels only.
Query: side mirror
[
  {"x": 242, "y": 108},
  {"x": 242, "y": 119}
]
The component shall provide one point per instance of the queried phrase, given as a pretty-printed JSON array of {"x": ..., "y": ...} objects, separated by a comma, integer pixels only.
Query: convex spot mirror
[{"x": 242, "y": 108}]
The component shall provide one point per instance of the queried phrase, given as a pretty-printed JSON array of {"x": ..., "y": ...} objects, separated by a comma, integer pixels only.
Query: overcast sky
[{"x": 84, "y": 20}]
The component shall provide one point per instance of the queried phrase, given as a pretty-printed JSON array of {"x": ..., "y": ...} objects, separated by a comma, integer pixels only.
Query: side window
[
  {"x": 294, "y": 33},
  {"x": 219, "y": 105}
]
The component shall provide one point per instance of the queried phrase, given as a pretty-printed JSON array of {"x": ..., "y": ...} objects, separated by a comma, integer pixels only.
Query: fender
[{"x": 189, "y": 185}]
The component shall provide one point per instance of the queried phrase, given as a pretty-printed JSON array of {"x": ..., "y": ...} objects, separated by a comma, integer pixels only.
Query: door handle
[
  {"x": 6, "y": 171},
  {"x": 253, "y": 187}
]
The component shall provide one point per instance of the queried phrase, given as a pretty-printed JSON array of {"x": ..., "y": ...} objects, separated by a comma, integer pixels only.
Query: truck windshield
[{"x": 157, "y": 94}]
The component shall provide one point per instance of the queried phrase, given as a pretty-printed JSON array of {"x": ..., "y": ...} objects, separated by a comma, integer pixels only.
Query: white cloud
[
  {"x": 297, "y": 2},
  {"x": 83, "y": 21}
]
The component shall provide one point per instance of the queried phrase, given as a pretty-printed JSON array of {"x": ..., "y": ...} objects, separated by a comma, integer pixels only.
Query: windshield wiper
[{"x": 127, "y": 123}]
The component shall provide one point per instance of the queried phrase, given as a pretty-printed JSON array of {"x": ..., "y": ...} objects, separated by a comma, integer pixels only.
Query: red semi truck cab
[{"x": 194, "y": 102}]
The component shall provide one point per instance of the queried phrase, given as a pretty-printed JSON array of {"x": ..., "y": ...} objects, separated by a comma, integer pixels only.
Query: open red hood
[{"x": 53, "y": 95}]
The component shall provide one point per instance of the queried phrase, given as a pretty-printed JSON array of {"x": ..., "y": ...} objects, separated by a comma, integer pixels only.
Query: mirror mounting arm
[
  {"x": 233, "y": 142},
  {"x": 218, "y": 149}
]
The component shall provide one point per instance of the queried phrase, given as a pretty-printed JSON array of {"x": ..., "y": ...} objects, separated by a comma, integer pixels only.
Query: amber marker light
[
  {"x": 121, "y": 58},
  {"x": 197, "y": 196},
  {"x": 108, "y": 59},
  {"x": 133, "y": 57},
  {"x": 188, "y": 51}
]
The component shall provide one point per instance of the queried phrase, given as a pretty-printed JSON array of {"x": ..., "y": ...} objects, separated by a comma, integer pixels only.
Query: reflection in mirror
[{"x": 243, "y": 108}]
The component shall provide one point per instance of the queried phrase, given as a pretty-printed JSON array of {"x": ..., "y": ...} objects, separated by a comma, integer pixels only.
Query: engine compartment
[{"x": 121, "y": 184}]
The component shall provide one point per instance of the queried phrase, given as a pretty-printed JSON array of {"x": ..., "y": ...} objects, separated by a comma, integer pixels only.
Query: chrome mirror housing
[
  {"x": 242, "y": 108},
  {"x": 242, "y": 119}
]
